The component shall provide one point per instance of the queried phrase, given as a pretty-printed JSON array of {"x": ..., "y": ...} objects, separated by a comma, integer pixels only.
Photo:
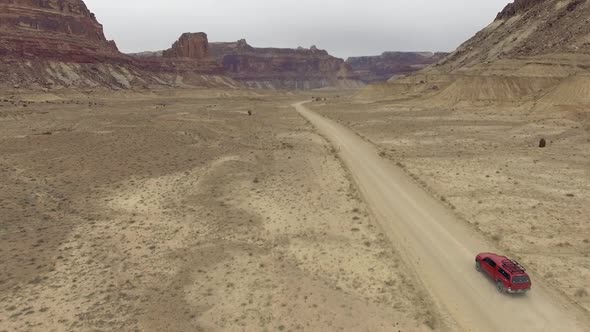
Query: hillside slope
[
  {"x": 532, "y": 53},
  {"x": 530, "y": 32}
]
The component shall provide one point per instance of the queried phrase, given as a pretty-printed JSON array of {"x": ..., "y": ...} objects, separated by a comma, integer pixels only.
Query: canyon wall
[
  {"x": 63, "y": 30},
  {"x": 381, "y": 68},
  {"x": 299, "y": 68},
  {"x": 49, "y": 44}
]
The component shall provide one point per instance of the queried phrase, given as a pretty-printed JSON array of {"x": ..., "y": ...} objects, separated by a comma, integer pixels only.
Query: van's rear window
[{"x": 520, "y": 280}]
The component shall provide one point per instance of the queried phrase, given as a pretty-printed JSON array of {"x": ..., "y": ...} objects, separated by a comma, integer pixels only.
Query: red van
[{"x": 508, "y": 274}]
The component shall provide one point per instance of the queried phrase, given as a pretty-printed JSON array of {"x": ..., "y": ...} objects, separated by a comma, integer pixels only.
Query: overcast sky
[{"x": 343, "y": 27}]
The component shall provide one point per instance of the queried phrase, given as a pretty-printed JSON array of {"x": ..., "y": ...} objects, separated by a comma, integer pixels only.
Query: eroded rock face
[
  {"x": 279, "y": 67},
  {"x": 189, "y": 45},
  {"x": 371, "y": 69},
  {"x": 62, "y": 30}
]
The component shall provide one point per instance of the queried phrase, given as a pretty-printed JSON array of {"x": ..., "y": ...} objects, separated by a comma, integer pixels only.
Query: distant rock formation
[
  {"x": 280, "y": 67},
  {"x": 274, "y": 68},
  {"x": 51, "y": 44},
  {"x": 380, "y": 68},
  {"x": 190, "y": 53},
  {"x": 189, "y": 45},
  {"x": 62, "y": 30}
]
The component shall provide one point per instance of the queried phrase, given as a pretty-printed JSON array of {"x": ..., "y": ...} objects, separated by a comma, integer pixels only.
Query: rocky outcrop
[
  {"x": 517, "y": 7},
  {"x": 372, "y": 69},
  {"x": 299, "y": 68},
  {"x": 63, "y": 30},
  {"x": 190, "y": 53},
  {"x": 189, "y": 45}
]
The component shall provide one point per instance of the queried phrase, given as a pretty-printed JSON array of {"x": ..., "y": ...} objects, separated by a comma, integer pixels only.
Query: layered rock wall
[
  {"x": 280, "y": 67},
  {"x": 60, "y": 43},
  {"x": 62, "y": 30}
]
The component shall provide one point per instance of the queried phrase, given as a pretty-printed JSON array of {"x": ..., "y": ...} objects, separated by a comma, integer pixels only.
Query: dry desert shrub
[
  {"x": 542, "y": 143},
  {"x": 582, "y": 292}
]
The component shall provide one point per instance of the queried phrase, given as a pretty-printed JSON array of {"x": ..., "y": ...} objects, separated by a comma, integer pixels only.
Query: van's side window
[
  {"x": 490, "y": 262},
  {"x": 505, "y": 274}
]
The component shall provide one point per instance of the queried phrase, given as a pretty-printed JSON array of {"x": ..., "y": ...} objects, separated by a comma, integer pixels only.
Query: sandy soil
[
  {"x": 440, "y": 248},
  {"x": 176, "y": 211},
  {"x": 485, "y": 164}
]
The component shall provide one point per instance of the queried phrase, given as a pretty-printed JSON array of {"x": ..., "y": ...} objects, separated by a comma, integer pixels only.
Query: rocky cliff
[
  {"x": 63, "y": 30},
  {"x": 372, "y": 69},
  {"x": 279, "y": 67}
]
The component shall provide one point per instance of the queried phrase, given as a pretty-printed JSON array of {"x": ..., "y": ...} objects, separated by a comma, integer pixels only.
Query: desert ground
[
  {"x": 177, "y": 211},
  {"x": 484, "y": 163}
]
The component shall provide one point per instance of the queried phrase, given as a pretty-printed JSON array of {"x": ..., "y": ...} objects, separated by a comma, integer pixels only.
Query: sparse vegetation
[
  {"x": 581, "y": 292},
  {"x": 542, "y": 143}
]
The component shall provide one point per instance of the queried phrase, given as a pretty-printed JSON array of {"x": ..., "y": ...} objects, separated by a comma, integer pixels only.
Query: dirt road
[{"x": 440, "y": 248}]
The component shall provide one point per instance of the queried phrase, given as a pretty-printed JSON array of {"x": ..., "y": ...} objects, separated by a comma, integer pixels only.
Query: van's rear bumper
[{"x": 518, "y": 291}]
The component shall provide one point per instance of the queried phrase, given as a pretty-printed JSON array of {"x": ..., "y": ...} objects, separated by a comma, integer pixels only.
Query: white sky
[{"x": 344, "y": 28}]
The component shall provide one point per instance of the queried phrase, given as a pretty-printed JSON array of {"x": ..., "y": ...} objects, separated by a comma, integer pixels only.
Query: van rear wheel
[
  {"x": 500, "y": 287},
  {"x": 478, "y": 266}
]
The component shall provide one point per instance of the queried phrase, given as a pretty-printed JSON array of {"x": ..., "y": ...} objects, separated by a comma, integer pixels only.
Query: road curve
[{"x": 440, "y": 248}]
